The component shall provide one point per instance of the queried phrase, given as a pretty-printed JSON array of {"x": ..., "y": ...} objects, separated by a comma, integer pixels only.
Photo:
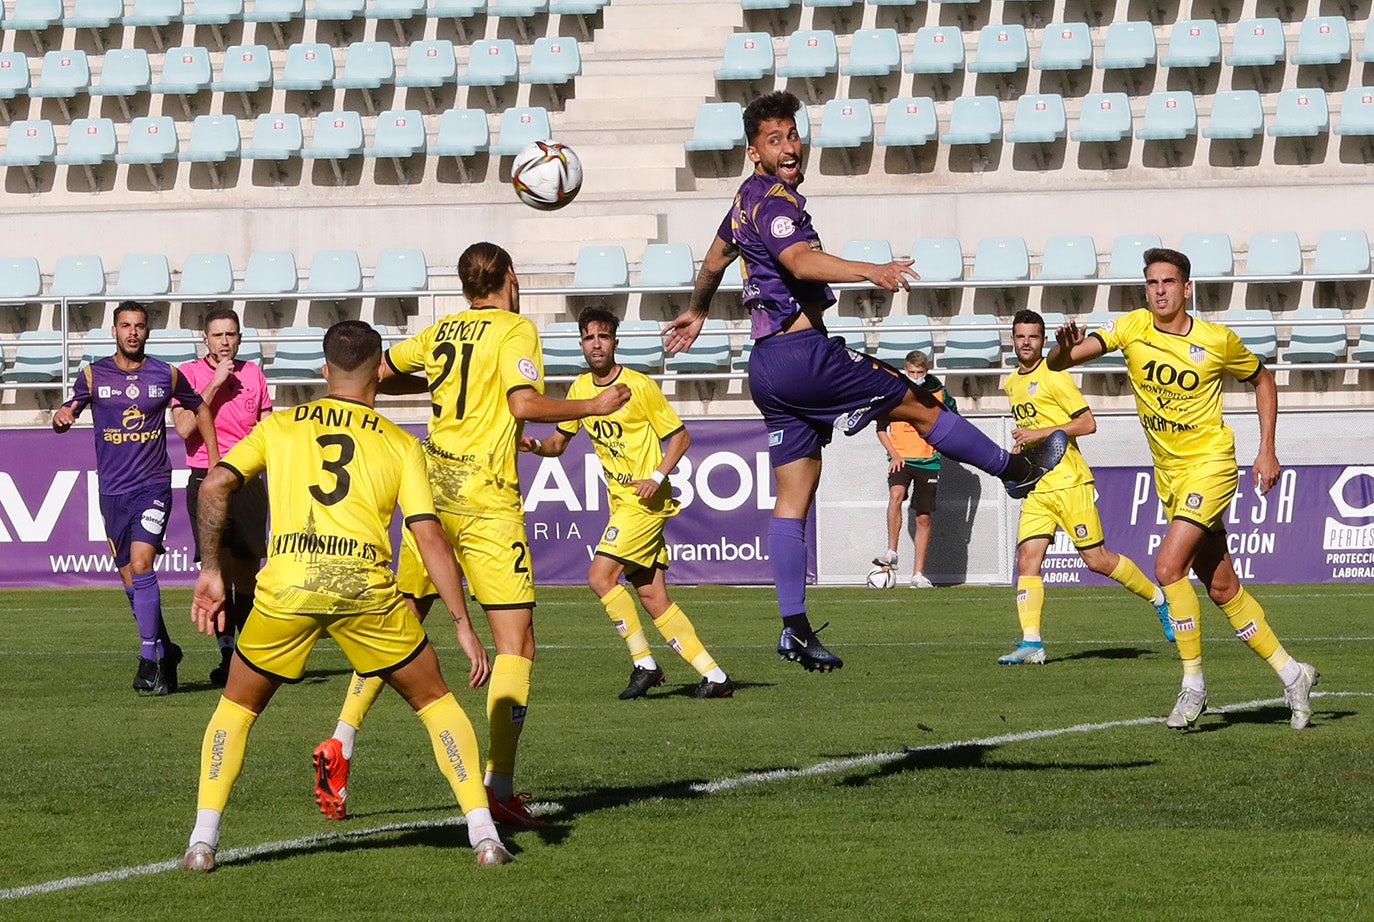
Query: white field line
[{"x": 230, "y": 855}]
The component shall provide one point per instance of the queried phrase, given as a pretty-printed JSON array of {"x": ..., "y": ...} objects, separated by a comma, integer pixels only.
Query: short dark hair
[
  {"x": 917, "y": 357},
  {"x": 1173, "y": 257},
  {"x": 350, "y": 343},
  {"x": 130, "y": 306},
  {"x": 221, "y": 312},
  {"x": 482, "y": 269},
  {"x": 1028, "y": 316},
  {"x": 779, "y": 104},
  {"x": 600, "y": 315}
]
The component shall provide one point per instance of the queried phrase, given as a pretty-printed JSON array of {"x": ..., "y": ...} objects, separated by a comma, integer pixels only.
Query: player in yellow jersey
[
  {"x": 483, "y": 369},
  {"x": 1176, "y": 364},
  {"x": 628, "y": 442},
  {"x": 1041, "y": 402},
  {"x": 336, "y": 471}
]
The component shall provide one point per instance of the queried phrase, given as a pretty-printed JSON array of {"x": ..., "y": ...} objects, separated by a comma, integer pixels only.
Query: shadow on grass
[
  {"x": 1107, "y": 653},
  {"x": 1274, "y": 714}
]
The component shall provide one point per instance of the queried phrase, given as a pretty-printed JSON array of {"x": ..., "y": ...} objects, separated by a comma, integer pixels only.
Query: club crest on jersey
[
  {"x": 131, "y": 391},
  {"x": 528, "y": 369},
  {"x": 1194, "y": 501},
  {"x": 1080, "y": 531},
  {"x": 775, "y": 438},
  {"x": 1247, "y": 630},
  {"x": 1108, "y": 326},
  {"x": 612, "y": 533},
  {"x": 517, "y": 714},
  {"x": 1032, "y": 388},
  {"x": 782, "y": 226},
  {"x": 1197, "y": 353}
]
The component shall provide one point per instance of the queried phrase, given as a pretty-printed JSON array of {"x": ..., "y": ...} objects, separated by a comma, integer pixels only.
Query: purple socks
[
  {"x": 957, "y": 437},
  {"x": 787, "y": 554},
  {"x": 147, "y": 605}
]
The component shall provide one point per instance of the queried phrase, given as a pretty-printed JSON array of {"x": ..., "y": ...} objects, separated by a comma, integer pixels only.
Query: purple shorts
[
  {"x": 137, "y": 516},
  {"x": 807, "y": 386}
]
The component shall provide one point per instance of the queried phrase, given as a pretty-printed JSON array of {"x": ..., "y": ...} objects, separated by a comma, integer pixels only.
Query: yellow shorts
[
  {"x": 635, "y": 538},
  {"x": 493, "y": 553},
  {"x": 1200, "y": 493},
  {"x": 278, "y": 644},
  {"x": 1071, "y": 509}
]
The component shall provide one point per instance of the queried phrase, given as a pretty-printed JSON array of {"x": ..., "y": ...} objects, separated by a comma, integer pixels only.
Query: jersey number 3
[{"x": 337, "y": 467}]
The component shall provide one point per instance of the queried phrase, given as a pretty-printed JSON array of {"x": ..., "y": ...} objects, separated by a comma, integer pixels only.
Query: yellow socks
[
  {"x": 362, "y": 694},
  {"x": 1247, "y": 617},
  {"x": 455, "y": 749},
  {"x": 1185, "y": 611},
  {"x": 508, "y": 697},
  {"x": 221, "y": 753},
  {"x": 620, "y": 606},
  {"x": 1129, "y": 575},
  {"x": 1030, "y": 603},
  {"x": 682, "y": 637}
]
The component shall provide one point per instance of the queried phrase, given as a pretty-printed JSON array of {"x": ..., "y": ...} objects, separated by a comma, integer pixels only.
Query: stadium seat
[
  {"x": 20, "y": 279},
  {"x": 429, "y": 64},
  {"x": 125, "y": 72},
  {"x": 214, "y": 12},
  {"x": 30, "y": 143},
  {"x": 270, "y": 273},
  {"x": 718, "y": 126},
  {"x": 1065, "y": 46},
  {"x": 395, "y": 9},
  {"x": 335, "y": 10},
  {"x": 90, "y": 142},
  {"x": 938, "y": 259},
  {"x": 562, "y": 351},
  {"x": 1273, "y": 253},
  {"x": 1128, "y": 45},
  {"x": 1321, "y": 342},
  {"x": 250, "y": 345},
  {"x": 1343, "y": 252},
  {"x": 748, "y": 56},
  {"x": 971, "y": 348},
  {"x": 554, "y": 62},
  {"x": 1169, "y": 116},
  {"x": 1096, "y": 321},
  {"x": 367, "y": 66},
  {"x": 95, "y": 344},
  {"x": 63, "y": 75},
  {"x": 1104, "y": 117},
  {"x": 1364, "y": 349},
  {"x": 1258, "y": 43},
  {"x": 333, "y": 271},
  {"x": 185, "y": 71},
  {"x": 894, "y": 345},
  {"x": 400, "y": 134},
  {"x": 1258, "y": 335},
  {"x": 810, "y": 53},
  {"x": 974, "y": 120},
  {"x": 1366, "y": 54},
  {"x": 1236, "y": 114},
  {"x": 1322, "y": 40},
  {"x": 911, "y": 121},
  {"x": 309, "y": 67},
  {"x": 173, "y": 345},
  {"x": 155, "y": 13},
  {"x": 300, "y": 354},
  {"x": 400, "y": 270},
  {"x": 247, "y": 69},
  {"x": 492, "y": 63},
  {"x": 845, "y": 123},
  {"x": 206, "y": 275},
  {"x": 1210, "y": 254},
  {"x": 1069, "y": 257},
  {"x": 520, "y": 126},
  {"x": 601, "y": 267},
  {"x": 937, "y": 50},
  {"x": 462, "y": 133},
  {"x": 1001, "y": 49},
  {"x": 1193, "y": 43},
  {"x": 14, "y": 74},
  {"x": 741, "y": 361},
  {"x": 1357, "y": 111},
  {"x": 850, "y": 328},
  {"x": 873, "y": 53},
  {"x": 1301, "y": 113},
  {"x": 152, "y": 139},
  {"x": 214, "y": 139},
  {"x": 868, "y": 251},
  {"x": 666, "y": 265},
  {"x": 803, "y": 120},
  {"x": 641, "y": 346},
  {"x": 33, "y": 15},
  {"x": 709, "y": 353},
  {"x": 1039, "y": 119},
  {"x": 78, "y": 277},
  {"x": 94, "y": 14},
  {"x": 1128, "y": 251},
  {"x": 457, "y": 11},
  {"x": 38, "y": 359},
  {"x": 143, "y": 276},
  {"x": 276, "y": 136},
  {"x": 1001, "y": 259}
]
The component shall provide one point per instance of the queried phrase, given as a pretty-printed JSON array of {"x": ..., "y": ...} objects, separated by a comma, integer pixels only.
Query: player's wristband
[{"x": 657, "y": 477}]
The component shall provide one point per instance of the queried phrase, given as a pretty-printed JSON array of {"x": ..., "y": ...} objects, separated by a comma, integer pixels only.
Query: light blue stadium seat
[
  {"x": 849, "y": 328},
  {"x": 553, "y": 62},
  {"x": 1259, "y": 336},
  {"x": 641, "y": 346},
  {"x": 126, "y": 72},
  {"x": 1169, "y": 116},
  {"x": 155, "y": 13},
  {"x": 247, "y": 69},
  {"x": 1301, "y": 113},
  {"x": 1128, "y": 251},
  {"x": 1258, "y": 43},
  {"x": 741, "y": 361},
  {"x": 1104, "y": 117},
  {"x": 1001, "y": 259},
  {"x": 1065, "y": 46},
  {"x": 1357, "y": 111},
  {"x": 1341, "y": 252},
  {"x": 270, "y": 273},
  {"x": 462, "y": 133},
  {"x": 576, "y": 7},
  {"x": 709, "y": 353},
  {"x": 30, "y": 143},
  {"x": 1001, "y": 49},
  {"x": 1322, "y": 40},
  {"x": 1323, "y": 342},
  {"x": 873, "y": 53},
  {"x": 335, "y": 10},
  {"x": 562, "y": 351},
  {"x": 214, "y": 139},
  {"x": 334, "y": 271},
  {"x": 95, "y": 345},
  {"x": 667, "y": 264},
  {"x": 1069, "y": 257},
  {"x": 173, "y": 345},
  {"x": 250, "y": 345},
  {"x": 143, "y": 276},
  {"x": 94, "y": 14},
  {"x": 400, "y": 269},
  {"x": 1364, "y": 349},
  {"x": 911, "y": 121},
  {"x": 1274, "y": 253},
  {"x": 748, "y": 56},
  {"x": 894, "y": 345},
  {"x": 937, "y": 50},
  {"x": 63, "y": 75},
  {"x": 429, "y": 64},
  {"x": 1210, "y": 254},
  {"x": 810, "y": 53},
  {"x": 14, "y": 74},
  {"x": 971, "y": 348},
  {"x": 302, "y": 356},
  {"x": 309, "y": 67},
  {"x": 517, "y": 8},
  {"x": 1128, "y": 45},
  {"x": 1366, "y": 54},
  {"x": 938, "y": 259},
  {"x": 276, "y": 136},
  {"x": 455, "y": 9},
  {"x": 400, "y": 133},
  {"x": 974, "y": 120},
  {"x": 1039, "y": 119},
  {"x": 1236, "y": 114},
  {"x": 521, "y": 126},
  {"x": 395, "y": 9},
  {"x": 152, "y": 139},
  {"x": 867, "y": 251},
  {"x": 78, "y": 277},
  {"x": 185, "y": 71},
  {"x": 20, "y": 279},
  {"x": 1193, "y": 43},
  {"x": 367, "y": 66},
  {"x": 214, "y": 12},
  {"x": 206, "y": 275},
  {"x": 845, "y": 123},
  {"x": 33, "y": 15},
  {"x": 1096, "y": 321},
  {"x": 766, "y": 4},
  {"x": 831, "y": 3},
  {"x": 492, "y": 63},
  {"x": 38, "y": 359},
  {"x": 719, "y": 126},
  {"x": 601, "y": 267},
  {"x": 803, "y": 122},
  {"x": 90, "y": 141}
]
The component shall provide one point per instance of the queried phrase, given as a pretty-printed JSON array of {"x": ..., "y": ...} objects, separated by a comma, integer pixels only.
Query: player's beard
[{"x": 133, "y": 356}]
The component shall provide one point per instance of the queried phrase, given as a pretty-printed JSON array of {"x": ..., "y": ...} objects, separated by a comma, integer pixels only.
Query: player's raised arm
[
  {"x": 819, "y": 266},
  {"x": 682, "y": 330},
  {"x": 531, "y": 406},
  {"x": 1072, "y": 346},
  {"x": 1266, "y": 468}
]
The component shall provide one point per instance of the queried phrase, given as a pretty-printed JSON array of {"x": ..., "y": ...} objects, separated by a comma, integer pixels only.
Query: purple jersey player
[
  {"x": 804, "y": 383},
  {"x": 129, "y": 394}
]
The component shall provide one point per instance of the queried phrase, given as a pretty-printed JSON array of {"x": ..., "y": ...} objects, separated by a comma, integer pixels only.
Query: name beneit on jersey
[
  {"x": 463, "y": 330},
  {"x": 333, "y": 416}
]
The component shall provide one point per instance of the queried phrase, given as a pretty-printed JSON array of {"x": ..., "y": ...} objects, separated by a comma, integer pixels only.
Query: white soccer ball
[
  {"x": 881, "y": 578},
  {"x": 547, "y": 175}
]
